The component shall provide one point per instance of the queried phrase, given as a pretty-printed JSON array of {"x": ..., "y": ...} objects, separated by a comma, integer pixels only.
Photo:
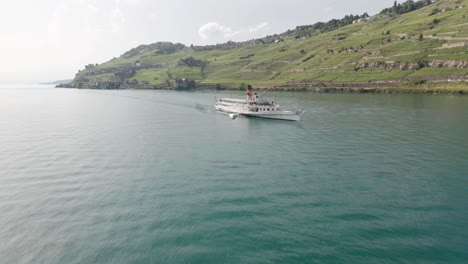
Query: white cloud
[
  {"x": 116, "y": 18},
  {"x": 258, "y": 27},
  {"x": 327, "y": 10},
  {"x": 88, "y": 17},
  {"x": 213, "y": 30},
  {"x": 89, "y": 5},
  {"x": 133, "y": 2}
]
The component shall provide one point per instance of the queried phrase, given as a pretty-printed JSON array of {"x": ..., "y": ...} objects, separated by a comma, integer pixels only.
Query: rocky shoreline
[{"x": 414, "y": 87}]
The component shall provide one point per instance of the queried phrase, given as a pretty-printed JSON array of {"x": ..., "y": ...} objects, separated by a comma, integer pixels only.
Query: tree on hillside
[
  {"x": 191, "y": 62},
  {"x": 406, "y": 7},
  {"x": 242, "y": 87}
]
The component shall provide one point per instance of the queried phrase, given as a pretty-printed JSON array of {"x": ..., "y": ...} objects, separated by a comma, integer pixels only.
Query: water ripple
[{"x": 152, "y": 176}]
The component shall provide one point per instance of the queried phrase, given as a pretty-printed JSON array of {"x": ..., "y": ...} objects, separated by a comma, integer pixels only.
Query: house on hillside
[
  {"x": 279, "y": 39},
  {"x": 360, "y": 20},
  {"x": 183, "y": 84}
]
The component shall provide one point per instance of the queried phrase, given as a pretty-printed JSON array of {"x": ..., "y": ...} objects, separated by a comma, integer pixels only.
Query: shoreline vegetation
[
  {"x": 411, "y": 47},
  {"x": 448, "y": 88}
]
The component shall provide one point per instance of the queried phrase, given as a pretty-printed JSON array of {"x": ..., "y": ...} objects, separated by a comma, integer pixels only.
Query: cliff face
[
  {"x": 449, "y": 64},
  {"x": 439, "y": 64},
  {"x": 390, "y": 47}
]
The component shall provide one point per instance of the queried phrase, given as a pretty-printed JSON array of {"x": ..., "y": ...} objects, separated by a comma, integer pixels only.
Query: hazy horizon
[{"x": 51, "y": 40}]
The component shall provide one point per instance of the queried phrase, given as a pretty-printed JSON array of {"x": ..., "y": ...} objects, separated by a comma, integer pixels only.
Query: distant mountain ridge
[
  {"x": 411, "y": 43},
  {"x": 58, "y": 82}
]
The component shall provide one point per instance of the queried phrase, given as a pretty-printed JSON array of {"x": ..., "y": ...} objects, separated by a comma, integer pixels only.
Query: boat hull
[
  {"x": 287, "y": 117},
  {"x": 246, "y": 108}
]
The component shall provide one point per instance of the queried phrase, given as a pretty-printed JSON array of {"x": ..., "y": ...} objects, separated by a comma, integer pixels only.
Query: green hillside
[{"x": 424, "y": 46}]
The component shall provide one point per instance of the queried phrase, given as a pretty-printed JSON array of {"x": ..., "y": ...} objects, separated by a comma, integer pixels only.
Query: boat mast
[
  {"x": 265, "y": 91},
  {"x": 276, "y": 101}
]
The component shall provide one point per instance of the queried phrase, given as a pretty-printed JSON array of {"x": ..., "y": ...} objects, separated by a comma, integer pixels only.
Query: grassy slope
[{"x": 282, "y": 63}]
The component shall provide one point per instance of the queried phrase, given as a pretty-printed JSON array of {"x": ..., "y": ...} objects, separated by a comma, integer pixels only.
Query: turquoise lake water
[{"x": 131, "y": 176}]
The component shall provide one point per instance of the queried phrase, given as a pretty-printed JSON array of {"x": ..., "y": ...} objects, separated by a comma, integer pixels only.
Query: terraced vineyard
[{"x": 424, "y": 48}]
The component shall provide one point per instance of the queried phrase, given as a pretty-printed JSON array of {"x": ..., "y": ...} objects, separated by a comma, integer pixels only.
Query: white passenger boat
[{"x": 255, "y": 107}]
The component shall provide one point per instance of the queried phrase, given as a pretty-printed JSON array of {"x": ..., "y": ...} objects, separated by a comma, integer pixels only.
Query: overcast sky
[{"x": 52, "y": 39}]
